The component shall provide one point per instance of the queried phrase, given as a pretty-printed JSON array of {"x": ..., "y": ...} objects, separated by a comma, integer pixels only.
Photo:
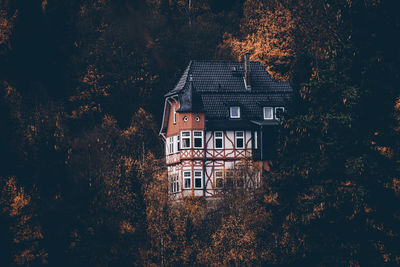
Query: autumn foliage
[{"x": 82, "y": 173}]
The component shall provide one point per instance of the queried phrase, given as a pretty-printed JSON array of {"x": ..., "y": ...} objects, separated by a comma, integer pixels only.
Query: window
[
  {"x": 255, "y": 140},
  {"x": 187, "y": 179},
  {"x": 229, "y": 179},
  {"x": 174, "y": 114},
  {"x": 219, "y": 140},
  {"x": 198, "y": 139},
  {"x": 219, "y": 179},
  {"x": 239, "y": 139},
  {"x": 174, "y": 183},
  {"x": 171, "y": 145},
  {"x": 197, "y": 119},
  {"x": 235, "y": 112},
  {"x": 185, "y": 119},
  {"x": 279, "y": 112},
  {"x": 177, "y": 143},
  {"x": 268, "y": 113},
  {"x": 198, "y": 179},
  {"x": 185, "y": 137}
]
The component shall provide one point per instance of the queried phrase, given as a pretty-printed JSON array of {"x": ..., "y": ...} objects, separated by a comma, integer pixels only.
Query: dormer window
[
  {"x": 279, "y": 112},
  {"x": 235, "y": 112},
  {"x": 268, "y": 113}
]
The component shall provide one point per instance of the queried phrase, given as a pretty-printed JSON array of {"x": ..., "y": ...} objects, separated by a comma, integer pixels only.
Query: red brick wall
[{"x": 190, "y": 124}]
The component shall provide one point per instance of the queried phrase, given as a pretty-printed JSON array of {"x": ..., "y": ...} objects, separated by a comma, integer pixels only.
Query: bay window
[
  {"x": 198, "y": 139},
  {"x": 185, "y": 137}
]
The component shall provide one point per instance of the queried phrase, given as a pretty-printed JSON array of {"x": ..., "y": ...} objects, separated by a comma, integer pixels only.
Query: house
[{"x": 219, "y": 113}]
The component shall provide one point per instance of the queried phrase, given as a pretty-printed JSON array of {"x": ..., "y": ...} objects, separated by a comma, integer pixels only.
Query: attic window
[
  {"x": 279, "y": 112},
  {"x": 235, "y": 112},
  {"x": 268, "y": 113}
]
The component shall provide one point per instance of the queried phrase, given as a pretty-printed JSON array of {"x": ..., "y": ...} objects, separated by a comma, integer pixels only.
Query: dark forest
[{"x": 82, "y": 168}]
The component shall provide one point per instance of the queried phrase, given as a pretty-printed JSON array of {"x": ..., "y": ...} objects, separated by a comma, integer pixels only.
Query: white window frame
[
  {"x": 230, "y": 112},
  {"x": 255, "y": 140},
  {"x": 272, "y": 113},
  {"x": 177, "y": 143},
  {"x": 215, "y": 179},
  {"x": 215, "y": 139},
  {"x": 171, "y": 145},
  {"x": 174, "y": 183},
  {"x": 186, "y": 137},
  {"x": 239, "y": 137},
  {"x": 196, "y": 178},
  {"x": 174, "y": 114},
  {"x": 283, "y": 110},
  {"x": 189, "y": 178},
  {"x": 197, "y": 137}
]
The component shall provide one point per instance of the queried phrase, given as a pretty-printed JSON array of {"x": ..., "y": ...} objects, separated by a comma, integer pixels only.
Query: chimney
[{"x": 247, "y": 81}]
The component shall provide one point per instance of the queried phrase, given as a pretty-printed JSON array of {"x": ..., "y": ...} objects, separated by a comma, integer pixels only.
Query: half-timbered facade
[{"x": 218, "y": 114}]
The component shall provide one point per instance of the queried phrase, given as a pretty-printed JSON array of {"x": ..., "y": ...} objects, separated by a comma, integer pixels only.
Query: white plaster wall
[{"x": 229, "y": 139}]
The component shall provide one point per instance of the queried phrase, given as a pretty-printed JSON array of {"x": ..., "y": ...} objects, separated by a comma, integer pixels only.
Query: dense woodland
[{"x": 82, "y": 176}]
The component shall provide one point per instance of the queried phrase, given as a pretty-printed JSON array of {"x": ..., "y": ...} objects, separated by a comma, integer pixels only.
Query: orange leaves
[
  {"x": 269, "y": 39},
  {"x": 16, "y": 203},
  {"x": 126, "y": 228},
  {"x": 397, "y": 114},
  {"x": 6, "y": 28},
  {"x": 271, "y": 198},
  {"x": 15, "y": 197},
  {"x": 92, "y": 88},
  {"x": 395, "y": 186},
  {"x": 234, "y": 243}
]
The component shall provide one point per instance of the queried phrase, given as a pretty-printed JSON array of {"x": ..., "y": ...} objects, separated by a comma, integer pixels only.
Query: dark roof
[
  {"x": 227, "y": 77},
  {"x": 190, "y": 100},
  {"x": 214, "y": 86}
]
